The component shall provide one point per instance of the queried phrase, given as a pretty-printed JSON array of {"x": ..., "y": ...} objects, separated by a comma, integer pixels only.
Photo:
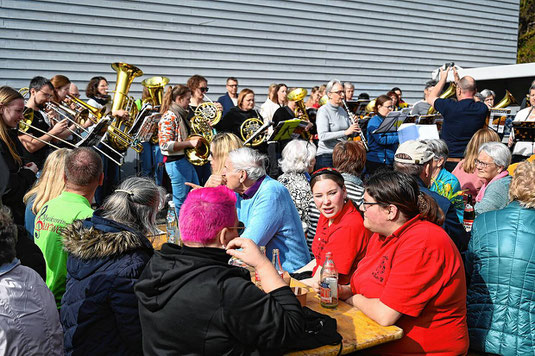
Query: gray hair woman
[
  {"x": 333, "y": 124},
  {"x": 488, "y": 97},
  {"x": 266, "y": 208},
  {"x": 442, "y": 181},
  {"x": 298, "y": 159},
  {"x": 491, "y": 166},
  {"x": 106, "y": 255}
]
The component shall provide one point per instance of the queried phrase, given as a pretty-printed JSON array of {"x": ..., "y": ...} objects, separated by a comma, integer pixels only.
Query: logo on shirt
[{"x": 379, "y": 272}]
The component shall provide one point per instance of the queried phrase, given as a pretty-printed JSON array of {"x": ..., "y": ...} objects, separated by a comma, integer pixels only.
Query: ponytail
[
  {"x": 171, "y": 94},
  {"x": 429, "y": 209}
]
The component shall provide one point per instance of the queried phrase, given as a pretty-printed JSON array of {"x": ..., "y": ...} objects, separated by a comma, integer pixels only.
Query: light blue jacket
[
  {"x": 496, "y": 196},
  {"x": 271, "y": 220},
  {"x": 500, "y": 264}
]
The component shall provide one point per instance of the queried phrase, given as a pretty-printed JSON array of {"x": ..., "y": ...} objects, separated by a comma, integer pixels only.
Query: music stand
[
  {"x": 501, "y": 121},
  {"x": 95, "y": 135},
  {"x": 287, "y": 130},
  {"x": 148, "y": 127},
  {"x": 358, "y": 107},
  {"x": 258, "y": 132},
  {"x": 524, "y": 131},
  {"x": 392, "y": 122}
]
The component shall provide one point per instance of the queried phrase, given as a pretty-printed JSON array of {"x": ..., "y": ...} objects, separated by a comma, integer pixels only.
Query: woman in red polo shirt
[
  {"x": 412, "y": 274},
  {"x": 340, "y": 227}
]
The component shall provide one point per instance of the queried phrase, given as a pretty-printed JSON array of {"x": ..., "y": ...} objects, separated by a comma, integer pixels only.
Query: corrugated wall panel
[{"x": 300, "y": 42}]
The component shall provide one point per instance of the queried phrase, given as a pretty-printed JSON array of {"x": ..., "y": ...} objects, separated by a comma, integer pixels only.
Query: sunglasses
[
  {"x": 204, "y": 89},
  {"x": 240, "y": 228}
]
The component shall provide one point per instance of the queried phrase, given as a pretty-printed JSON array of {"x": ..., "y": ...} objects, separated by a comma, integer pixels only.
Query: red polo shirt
[
  {"x": 346, "y": 238},
  {"x": 418, "y": 272}
]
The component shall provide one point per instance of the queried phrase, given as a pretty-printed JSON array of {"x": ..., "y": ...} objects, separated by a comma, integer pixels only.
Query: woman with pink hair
[{"x": 191, "y": 301}]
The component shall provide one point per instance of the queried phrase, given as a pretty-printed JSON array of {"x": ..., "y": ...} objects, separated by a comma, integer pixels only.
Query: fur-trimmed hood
[{"x": 97, "y": 237}]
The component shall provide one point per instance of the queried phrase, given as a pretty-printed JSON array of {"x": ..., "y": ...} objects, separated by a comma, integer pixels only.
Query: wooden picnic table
[{"x": 357, "y": 330}]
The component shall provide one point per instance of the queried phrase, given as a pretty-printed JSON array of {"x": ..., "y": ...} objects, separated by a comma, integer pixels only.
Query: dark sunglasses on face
[{"x": 204, "y": 89}]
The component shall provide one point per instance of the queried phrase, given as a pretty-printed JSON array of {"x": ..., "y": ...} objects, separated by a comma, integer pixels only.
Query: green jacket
[{"x": 51, "y": 219}]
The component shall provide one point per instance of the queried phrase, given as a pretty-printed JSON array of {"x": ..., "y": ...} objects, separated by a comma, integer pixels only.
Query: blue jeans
[
  {"x": 152, "y": 162},
  {"x": 180, "y": 172}
]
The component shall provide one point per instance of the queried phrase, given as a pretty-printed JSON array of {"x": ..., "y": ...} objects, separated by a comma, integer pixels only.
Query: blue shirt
[
  {"x": 461, "y": 121},
  {"x": 271, "y": 219},
  {"x": 382, "y": 146}
]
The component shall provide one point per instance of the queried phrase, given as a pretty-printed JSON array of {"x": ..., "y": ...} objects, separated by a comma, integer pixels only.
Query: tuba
[
  {"x": 155, "y": 87},
  {"x": 507, "y": 100},
  {"x": 446, "y": 94},
  {"x": 298, "y": 95},
  {"x": 119, "y": 128}
]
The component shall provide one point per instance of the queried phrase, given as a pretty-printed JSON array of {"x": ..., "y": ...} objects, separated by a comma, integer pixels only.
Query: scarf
[
  {"x": 481, "y": 193},
  {"x": 181, "y": 115},
  {"x": 102, "y": 100}
]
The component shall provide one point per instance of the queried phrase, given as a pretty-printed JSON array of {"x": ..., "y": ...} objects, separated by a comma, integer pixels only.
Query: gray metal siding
[{"x": 302, "y": 43}]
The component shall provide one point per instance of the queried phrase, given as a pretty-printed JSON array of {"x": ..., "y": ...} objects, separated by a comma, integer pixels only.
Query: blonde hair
[
  {"x": 523, "y": 185},
  {"x": 482, "y": 136},
  {"x": 51, "y": 183},
  {"x": 7, "y": 96},
  {"x": 221, "y": 145}
]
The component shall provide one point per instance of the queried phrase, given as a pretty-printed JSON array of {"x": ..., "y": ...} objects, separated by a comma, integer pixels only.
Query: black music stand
[
  {"x": 524, "y": 131},
  {"x": 148, "y": 127},
  {"x": 358, "y": 107},
  {"x": 95, "y": 135},
  {"x": 501, "y": 121},
  {"x": 287, "y": 130},
  {"x": 392, "y": 122}
]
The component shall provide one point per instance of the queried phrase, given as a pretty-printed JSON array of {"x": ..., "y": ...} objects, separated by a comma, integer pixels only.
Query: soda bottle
[
  {"x": 172, "y": 224},
  {"x": 275, "y": 259},
  {"x": 329, "y": 283},
  {"x": 469, "y": 214},
  {"x": 256, "y": 276}
]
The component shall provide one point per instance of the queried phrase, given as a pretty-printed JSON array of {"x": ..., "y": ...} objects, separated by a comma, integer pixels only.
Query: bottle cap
[{"x": 171, "y": 204}]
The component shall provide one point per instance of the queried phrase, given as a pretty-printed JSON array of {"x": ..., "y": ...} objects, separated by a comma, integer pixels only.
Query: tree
[{"x": 526, "y": 32}]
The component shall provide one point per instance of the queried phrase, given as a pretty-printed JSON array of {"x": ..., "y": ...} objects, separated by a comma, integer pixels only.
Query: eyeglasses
[
  {"x": 204, "y": 89},
  {"x": 230, "y": 85},
  {"x": 339, "y": 92},
  {"x": 364, "y": 205},
  {"x": 482, "y": 164},
  {"x": 47, "y": 95},
  {"x": 240, "y": 228}
]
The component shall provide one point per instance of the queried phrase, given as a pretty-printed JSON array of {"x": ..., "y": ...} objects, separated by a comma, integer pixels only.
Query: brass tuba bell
[
  {"x": 507, "y": 100},
  {"x": 155, "y": 86},
  {"x": 446, "y": 94}
]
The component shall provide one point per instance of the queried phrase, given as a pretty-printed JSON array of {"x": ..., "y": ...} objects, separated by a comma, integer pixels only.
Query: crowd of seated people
[{"x": 79, "y": 273}]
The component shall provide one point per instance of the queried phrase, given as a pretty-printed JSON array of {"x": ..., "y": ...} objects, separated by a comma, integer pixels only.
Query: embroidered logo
[{"x": 380, "y": 270}]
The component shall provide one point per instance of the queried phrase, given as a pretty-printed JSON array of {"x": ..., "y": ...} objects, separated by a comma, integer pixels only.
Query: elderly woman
[
  {"x": 412, "y": 274},
  {"x": 382, "y": 146},
  {"x": 491, "y": 166},
  {"x": 224, "y": 313},
  {"x": 333, "y": 124},
  {"x": 340, "y": 228},
  {"x": 465, "y": 171},
  {"x": 298, "y": 159},
  {"x": 442, "y": 181},
  {"x": 29, "y": 321},
  {"x": 266, "y": 208},
  {"x": 107, "y": 253},
  {"x": 232, "y": 121},
  {"x": 349, "y": 158},
  {"x": 488, "y": 97},
  {"x": 499, "y": 264}
]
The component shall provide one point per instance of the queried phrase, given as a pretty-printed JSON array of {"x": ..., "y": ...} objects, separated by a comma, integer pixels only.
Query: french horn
[
  {"x": 198, "y": 156},
  {"x": 249, "y": 127},
  {"x": 208, "y": 111}
]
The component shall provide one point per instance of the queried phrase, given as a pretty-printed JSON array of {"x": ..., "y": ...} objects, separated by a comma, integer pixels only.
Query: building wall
[{"x": 301, "y": 43}]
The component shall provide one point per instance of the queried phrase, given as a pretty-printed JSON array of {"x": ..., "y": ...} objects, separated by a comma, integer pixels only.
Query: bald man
[
  {"x": 73, "y": 91},
  {"x": 462, "y": 118}
]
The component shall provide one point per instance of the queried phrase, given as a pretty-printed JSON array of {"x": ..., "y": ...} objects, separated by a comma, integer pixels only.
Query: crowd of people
[{"x": 79, "y": 275}]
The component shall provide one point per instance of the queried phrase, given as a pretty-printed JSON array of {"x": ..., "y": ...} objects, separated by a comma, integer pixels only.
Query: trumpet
[{"x": 354, "y": 120}]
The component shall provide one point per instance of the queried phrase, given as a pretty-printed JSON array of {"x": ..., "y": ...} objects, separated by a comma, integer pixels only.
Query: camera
[{"x": 448, "y": 65}]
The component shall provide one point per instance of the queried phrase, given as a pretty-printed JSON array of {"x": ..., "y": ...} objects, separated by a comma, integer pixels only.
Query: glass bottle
[
  {"x": 275, "y": 259},
  {"x": 329, "y": 283},
  {"x": 172, "y": 224},
  {"x": 469, "y": 214}
]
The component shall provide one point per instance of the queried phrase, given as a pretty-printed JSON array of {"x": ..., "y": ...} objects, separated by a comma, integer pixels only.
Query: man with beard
[{"x": 35, "y": 149}]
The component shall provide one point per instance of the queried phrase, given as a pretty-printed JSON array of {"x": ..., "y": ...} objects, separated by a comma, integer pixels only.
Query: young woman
[
  {"x": 97, "y": 92},
  {"x": 21, "y": 176},
  {"x": 173, "y": 133},
  {"x": 221, "y": 145},
  {"x": 106, "y": 255},
  {"x": 48, "y": 187},
  {"x": 340, "y": 228},
  {"x": 382, "y": 146},
  {"x": 412, "y": 274}
]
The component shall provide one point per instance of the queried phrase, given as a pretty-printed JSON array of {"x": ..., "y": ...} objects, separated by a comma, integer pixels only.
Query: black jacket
[
  {"x": 192, "y": 302},
  {"x": 19, "y": 182}
]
